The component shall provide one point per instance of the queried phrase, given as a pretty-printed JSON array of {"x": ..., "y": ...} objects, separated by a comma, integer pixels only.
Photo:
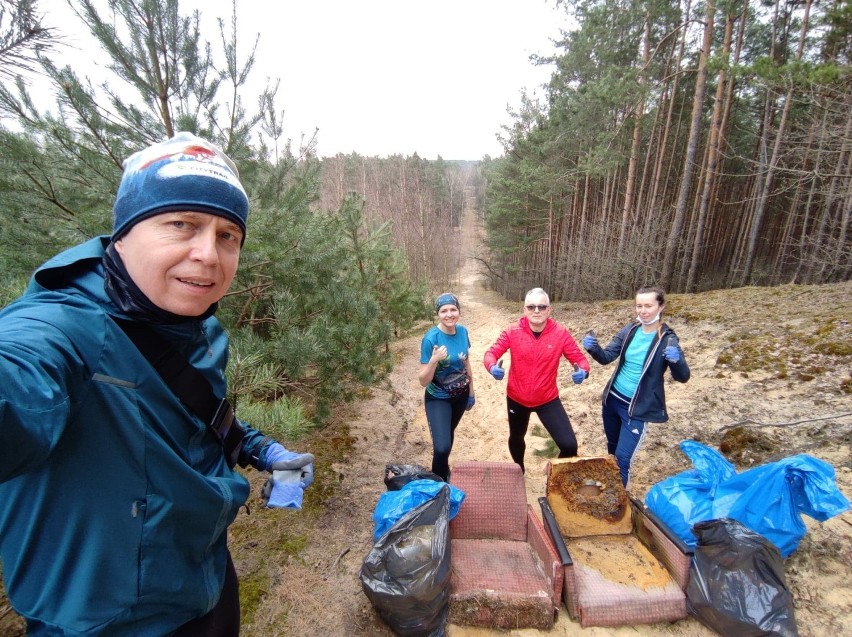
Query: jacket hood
[{"x": 78, "y": 267}]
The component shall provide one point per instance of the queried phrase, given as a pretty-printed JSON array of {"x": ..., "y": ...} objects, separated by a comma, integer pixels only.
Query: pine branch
[{"x": 22, "y": 38}]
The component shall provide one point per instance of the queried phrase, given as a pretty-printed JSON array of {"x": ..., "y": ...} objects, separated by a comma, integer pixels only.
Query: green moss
[
  {"x": 785, "y": 351},
  {"x": 550, "y": 450},
  {"x": 834, "y": 348},
  {"x": 279, "y": 544},
  {"x": 741, "y": 442},
  {"x": 686, "y": 315},
  {"x": 253, "y": 588}
]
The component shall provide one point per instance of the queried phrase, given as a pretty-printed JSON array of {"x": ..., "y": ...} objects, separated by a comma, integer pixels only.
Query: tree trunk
[
  {"x": 715, "y": 136},
  {"x": 633, "y": 162},
  {"x": 765, "y": 191},
  {"x": 654, "y": 204},
  {"x": 673, "y": 241}
]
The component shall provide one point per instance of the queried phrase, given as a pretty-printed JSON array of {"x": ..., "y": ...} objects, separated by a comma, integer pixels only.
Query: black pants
[
  {"x": 554, "y": 418},
  {"x": 224, "y": 619},
  {"x": 443, "y": 416}
]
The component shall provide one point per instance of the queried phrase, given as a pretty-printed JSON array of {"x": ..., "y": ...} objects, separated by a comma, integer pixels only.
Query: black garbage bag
[
  {"x": 736, "y": 582},
  {"x": 406, "y": 575},
  {"x": 398, "y": 475}
]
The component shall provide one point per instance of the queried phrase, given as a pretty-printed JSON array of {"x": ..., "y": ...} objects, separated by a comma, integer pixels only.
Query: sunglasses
[{"x": 540, "y": 308}]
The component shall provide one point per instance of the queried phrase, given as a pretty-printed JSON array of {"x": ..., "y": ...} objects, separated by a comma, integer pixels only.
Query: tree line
[
  {"x": 690, "y": 145},
  {"x": 695, "y": 145},
  {"x": 420, "y": 201},
  {"x": 330, "y": 271}
]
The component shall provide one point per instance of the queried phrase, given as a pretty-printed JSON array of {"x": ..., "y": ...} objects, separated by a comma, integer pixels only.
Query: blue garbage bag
[
  {"x": 769, "y": 499},
  {"x": 682, "y": 500},
  {"x": 392, "y": 505},
  {"x": 406, "y": 575}
]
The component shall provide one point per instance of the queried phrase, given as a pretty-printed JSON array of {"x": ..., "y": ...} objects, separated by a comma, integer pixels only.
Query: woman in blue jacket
[
  {"x": 116, "y": 496},
  {"x": 635, "y": 394}
]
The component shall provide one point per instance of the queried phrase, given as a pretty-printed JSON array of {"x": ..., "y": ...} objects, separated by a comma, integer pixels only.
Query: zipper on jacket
[{"x": 645, "y": 367}]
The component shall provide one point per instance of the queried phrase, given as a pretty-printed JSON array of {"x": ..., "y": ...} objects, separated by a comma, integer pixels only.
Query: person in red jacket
[{"x": 538, "y": 343}]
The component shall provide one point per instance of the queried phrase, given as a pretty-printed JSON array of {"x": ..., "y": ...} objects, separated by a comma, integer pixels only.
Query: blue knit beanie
[
  {"x": 184, "y": 173},
  {"x": 447, "y": 299}
]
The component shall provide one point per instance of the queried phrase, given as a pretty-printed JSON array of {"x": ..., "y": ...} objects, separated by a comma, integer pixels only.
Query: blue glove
[
  {"x": 578, "y": 376},
  {"x": 471, "y": 401},
  {"x": 283, "y": 490},
  {"x": 277, "y": 458},
  {"x": 497, "y": 372},
  {"x": 672, "y": 353},
  {"x": 590, "y": 341}
]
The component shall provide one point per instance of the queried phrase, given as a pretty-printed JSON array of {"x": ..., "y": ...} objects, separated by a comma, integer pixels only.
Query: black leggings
[
  {"x": 443, "y": 416},
  {"x": 554, "y": 418},
  {"x": 224, "y": 619}
]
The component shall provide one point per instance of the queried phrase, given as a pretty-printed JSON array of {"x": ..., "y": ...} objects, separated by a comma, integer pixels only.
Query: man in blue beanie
[{"x": 117, "y": 447}]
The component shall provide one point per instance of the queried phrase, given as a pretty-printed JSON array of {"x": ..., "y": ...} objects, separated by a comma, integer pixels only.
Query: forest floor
[{"x": 771, "y": 365}]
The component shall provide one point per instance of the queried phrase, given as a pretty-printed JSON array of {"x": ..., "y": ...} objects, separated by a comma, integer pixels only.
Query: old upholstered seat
[
  {"x": 506, "y": 572},
  {"x": 622, "y": 565}
]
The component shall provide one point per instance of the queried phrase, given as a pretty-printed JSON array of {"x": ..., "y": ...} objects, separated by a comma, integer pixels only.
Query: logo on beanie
[
  {"x": 191, "y": 161},
  {"x": 198, "y": 167},
  {"x": 195, "y": 151}
]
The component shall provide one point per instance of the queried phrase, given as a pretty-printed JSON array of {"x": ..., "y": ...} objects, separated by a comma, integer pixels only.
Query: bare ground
[{"x": 770, "y": 378}]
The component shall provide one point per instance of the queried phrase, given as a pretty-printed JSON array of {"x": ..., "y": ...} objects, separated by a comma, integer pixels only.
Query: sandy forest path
[{"x": 320, "y": 593}]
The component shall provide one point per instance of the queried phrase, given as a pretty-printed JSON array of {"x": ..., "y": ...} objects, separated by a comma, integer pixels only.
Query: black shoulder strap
[{"x": 189, "y": 385}]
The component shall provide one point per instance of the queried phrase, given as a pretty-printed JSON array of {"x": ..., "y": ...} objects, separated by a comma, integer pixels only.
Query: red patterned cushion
[
  {"x": 495, "y": 504},
  {"x": 499, "y": 584}
]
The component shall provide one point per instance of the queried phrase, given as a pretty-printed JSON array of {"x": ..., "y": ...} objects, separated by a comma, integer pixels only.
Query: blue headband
[{"x": 447, "y": 299}]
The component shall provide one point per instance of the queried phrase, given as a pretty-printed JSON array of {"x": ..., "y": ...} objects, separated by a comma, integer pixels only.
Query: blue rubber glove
[
  {"x": 590, "y": 341},
  {"x": 579, "y": 375},
  {"x": 497, "y": 372},
  {"x": 471, "y": 401},
  {"x": 283, "y": 490},
  {"x": 672, "y": 353},
  {"x": 277, "y": 458}
]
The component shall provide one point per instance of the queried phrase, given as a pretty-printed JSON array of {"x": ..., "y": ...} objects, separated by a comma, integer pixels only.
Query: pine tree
[{"x": 307, "y": 311}]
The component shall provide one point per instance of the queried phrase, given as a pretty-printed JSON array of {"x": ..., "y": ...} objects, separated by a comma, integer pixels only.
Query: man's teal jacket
[{"x": 114, "y": 499}]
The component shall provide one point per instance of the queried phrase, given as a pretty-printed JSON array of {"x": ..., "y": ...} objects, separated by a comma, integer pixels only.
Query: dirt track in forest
[{"x": 321, "y": 594}]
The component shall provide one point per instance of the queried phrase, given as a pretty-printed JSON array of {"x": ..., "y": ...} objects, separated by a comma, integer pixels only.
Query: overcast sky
[{"x": 380, "y": 77}]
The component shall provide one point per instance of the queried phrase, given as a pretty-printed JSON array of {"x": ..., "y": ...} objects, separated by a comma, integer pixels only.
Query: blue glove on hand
[
  {"x": 589, "y": 342},
  {"x": 471, "y": 401},
  {"x": 672, "y": 353},
  {"x": 497, "y": 372},
  {"x": 283, "y": 490},
  {"x": 578, "y": 376},
  {"x": 277, "y": 458}
]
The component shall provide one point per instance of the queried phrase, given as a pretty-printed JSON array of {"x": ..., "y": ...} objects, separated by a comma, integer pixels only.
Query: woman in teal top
[
  {"x": 445, "y": 373},
  {"x": 635, "y": 395}
]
